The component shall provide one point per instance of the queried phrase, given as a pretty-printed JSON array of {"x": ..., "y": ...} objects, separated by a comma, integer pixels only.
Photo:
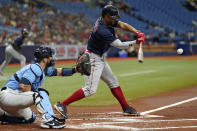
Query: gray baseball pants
[{"x": 9, "y": 53}]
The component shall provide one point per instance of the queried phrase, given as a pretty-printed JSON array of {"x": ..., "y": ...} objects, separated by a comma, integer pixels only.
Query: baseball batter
[
  {"x": 13, "y": 50},
  {"x": 101, "y": 39},
  {"x": 23, "y": 90}
]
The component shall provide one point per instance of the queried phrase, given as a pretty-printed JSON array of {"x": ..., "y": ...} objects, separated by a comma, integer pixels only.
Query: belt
[
  {"x": 88, "y": 51},
  {"x": 16, "y": 77},
  {"x": 4, "y": 88},
  {"x": 15, "y": 47}
]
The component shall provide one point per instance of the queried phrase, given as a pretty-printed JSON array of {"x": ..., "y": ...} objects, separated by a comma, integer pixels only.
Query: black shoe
[
  {"x": 52, "y": 124},
  {"x": 60, "y": 120},
  {"x": 61, "y": 109},
  {"x": 130, "y": 111}
]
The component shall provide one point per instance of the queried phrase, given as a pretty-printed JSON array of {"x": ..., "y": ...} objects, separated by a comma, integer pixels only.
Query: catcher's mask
[{"x": 44, "y": 52}]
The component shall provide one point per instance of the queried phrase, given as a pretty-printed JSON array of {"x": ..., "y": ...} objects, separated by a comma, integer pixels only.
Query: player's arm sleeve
[
  {"x": 68, "y": 71},
  {"x": 122, "y": 45},
  {"x": 29, "y": 76},
  {"x": 26, "y": 81},
  {"x": 60, "y": 71},
  {"x": 50, "y": 71},
  {"x": 24, "y": 85},
  {"x": 65, "y": 71}
]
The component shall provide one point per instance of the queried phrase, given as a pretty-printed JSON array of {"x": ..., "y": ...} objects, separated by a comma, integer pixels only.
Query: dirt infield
[
  {"x": 170, "y": 117},
  {"x": 167, "y": 111}
]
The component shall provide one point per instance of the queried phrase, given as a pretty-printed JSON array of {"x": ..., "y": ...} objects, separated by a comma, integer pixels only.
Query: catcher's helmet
[
  {"x": 43, "y": 52},
  {"x": 111, "y": 11},
  {"x": 24, "y": 32}
]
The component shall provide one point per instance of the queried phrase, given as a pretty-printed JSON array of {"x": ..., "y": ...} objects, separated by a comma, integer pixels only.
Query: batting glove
[
  {"x": 140, "y": 34},
  {"x": 140, "y": 40}
]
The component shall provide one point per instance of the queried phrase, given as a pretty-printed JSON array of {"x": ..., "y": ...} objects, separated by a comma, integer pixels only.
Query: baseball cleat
[
  {"x": 130, "y": 111},
  {"x": 61, "y": 109},
  {"x": 52, "y": 124},
  {"x": 60, "y": 120}
]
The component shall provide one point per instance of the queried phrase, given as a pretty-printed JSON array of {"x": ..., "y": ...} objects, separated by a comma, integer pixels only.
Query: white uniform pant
[
  {"x": 99, "y": 69},
  {"x": 9, "y": 53},
  {"x": 15, "y": 103}
]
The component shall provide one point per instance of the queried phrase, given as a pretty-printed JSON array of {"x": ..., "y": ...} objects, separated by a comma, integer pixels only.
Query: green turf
[{"x": 168, "y": 75}]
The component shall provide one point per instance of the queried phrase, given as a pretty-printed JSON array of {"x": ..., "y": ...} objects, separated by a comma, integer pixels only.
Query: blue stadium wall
[{"x": 27, "y": 51}]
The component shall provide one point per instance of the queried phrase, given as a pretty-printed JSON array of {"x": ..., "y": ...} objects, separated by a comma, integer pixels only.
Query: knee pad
[
  {"x": 37, "y": 98},
  {"x": 42, "y": 103},
  {"x": 46, "y": 104},
  {"x": 42, "y": 89}
]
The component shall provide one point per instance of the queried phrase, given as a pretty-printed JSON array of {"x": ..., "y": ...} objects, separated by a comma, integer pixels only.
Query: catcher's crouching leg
[
  {"x": 11, "y": 119},
  {"x": 37, "y": 98},
  {"x": 41, "y": 101},
  {"x": 44, "y": 107}
]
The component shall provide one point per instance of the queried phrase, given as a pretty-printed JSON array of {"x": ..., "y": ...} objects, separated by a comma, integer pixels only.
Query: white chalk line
[
  {"x": 92, "y": 126},
  {"x": 131, "y": 120},
  {"x": 168, "y": 106},
  {"x": 137, "y": 73},
  {"x": 108, "y": 125},
  {"x": 108, "y": 113},
  {"x": 104, "y": 125},
  {"x": 127, "y": 119}
]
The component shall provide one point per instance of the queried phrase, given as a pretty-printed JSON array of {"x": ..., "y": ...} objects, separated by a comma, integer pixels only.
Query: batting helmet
[
  {"x": 111, "y": 11},
  {"x": 43, "y": 52},
  {"x": 24, "y": 32}
]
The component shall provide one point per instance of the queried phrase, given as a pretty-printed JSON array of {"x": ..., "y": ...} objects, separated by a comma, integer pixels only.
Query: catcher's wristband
[{"x": 68, "y": 71}]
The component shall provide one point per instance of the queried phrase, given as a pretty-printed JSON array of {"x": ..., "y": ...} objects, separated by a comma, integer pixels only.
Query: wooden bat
[{"x": 140, "y": 54}]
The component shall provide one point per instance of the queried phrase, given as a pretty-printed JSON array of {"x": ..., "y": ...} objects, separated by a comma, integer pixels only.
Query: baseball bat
[{"x": 140, "y": 54}]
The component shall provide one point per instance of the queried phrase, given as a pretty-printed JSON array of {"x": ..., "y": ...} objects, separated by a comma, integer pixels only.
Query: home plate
[{"x": 149, "y": 116}]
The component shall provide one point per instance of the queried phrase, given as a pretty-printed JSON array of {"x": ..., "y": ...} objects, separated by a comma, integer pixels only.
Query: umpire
[{"x": 14, "y": 50}]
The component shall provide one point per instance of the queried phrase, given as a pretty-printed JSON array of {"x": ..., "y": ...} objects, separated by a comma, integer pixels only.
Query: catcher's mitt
[{"x": 83, "y": 65}]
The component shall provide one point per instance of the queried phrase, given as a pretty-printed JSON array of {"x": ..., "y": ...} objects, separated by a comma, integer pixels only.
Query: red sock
[
  {"x": 117, "y": 92},
  {"x": 77, "y": 95}
]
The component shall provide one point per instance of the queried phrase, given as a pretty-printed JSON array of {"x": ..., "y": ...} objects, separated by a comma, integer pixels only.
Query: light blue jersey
[{"x": 33, "y": 73}]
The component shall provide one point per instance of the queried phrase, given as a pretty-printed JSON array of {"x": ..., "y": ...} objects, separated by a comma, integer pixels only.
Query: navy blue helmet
[
  {"x": 43, "y": 52},
  {"x": 111, "y": 11},
  {"x": 24, "y": 32}
]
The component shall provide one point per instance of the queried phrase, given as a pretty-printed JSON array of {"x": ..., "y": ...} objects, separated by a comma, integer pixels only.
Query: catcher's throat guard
[{"x": 83, "y": 65}]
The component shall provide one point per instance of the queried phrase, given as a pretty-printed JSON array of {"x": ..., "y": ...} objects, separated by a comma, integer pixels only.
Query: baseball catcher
[{"x": 23, "y": 90}]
